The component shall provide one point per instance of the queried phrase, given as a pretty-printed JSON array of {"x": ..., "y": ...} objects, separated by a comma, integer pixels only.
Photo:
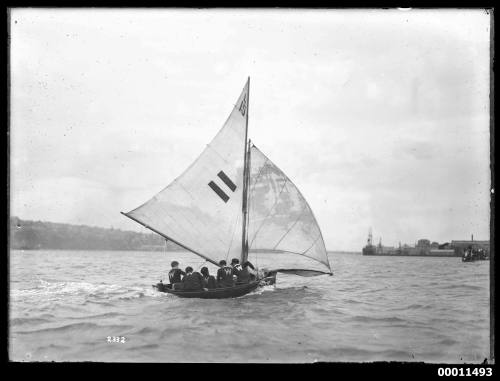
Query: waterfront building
[{"x": 460, "y": 246}]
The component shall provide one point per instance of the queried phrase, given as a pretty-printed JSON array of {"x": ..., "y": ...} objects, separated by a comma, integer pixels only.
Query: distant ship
[
  {"x": 424, "y": 248},
  {"x": 369, "y": 249}
]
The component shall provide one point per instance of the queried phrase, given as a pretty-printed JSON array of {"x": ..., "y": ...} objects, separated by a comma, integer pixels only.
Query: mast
[
  {"x": 244, "y": 233},
  {"x": 244, "y": 256}
]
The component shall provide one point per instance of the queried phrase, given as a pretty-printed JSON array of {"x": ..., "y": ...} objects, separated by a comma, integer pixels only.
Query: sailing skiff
[{"x": 232, "y": 189}]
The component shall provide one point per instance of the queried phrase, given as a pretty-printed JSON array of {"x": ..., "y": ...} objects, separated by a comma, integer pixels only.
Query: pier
[{"x": 424, "y": 248}]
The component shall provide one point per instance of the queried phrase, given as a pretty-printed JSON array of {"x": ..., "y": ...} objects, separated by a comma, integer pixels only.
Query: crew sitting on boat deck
[
  {"x": 247, "y": 273},
  {"x": 192, "y": 281},
  {"x": 209, "y": 281},
  {"x": 235, "y": 264},
  {"x": 175, "y": 274},
  {"x": 225, "y": 275}
]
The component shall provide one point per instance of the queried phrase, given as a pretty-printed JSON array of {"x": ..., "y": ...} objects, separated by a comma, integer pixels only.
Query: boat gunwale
[
  {"x": 217, "y": 293},
  {"x": 218, "y": 289}
]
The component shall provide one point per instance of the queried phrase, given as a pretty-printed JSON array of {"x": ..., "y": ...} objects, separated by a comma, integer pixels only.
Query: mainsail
[
  {"x": 201, "y": 209},
  {"x": 233, "y": 200},
  {"x": 281, "y": 221}
]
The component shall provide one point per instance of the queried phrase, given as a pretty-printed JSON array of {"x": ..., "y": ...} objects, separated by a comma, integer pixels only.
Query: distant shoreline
[
  {"x": 31, "y": 235},
  {"x": 42, "y": 235},
  {"x": 158, "y": 250}
]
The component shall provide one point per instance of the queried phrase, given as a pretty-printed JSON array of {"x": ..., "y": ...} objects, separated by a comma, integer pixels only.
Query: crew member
[
  {"x": 235, "y": 264},
  {"x": 192, "y": 281},
  {"x": 247, "y": 274},
  {"x": 175, "y": 274},
  {"x": 209, "y": 281},
  {"x": 224, "y": 275}
]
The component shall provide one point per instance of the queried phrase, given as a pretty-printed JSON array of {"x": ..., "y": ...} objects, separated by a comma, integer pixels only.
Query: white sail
[
  {"x": 201, "y": 209},
  {"x": 281, "y": 221}
]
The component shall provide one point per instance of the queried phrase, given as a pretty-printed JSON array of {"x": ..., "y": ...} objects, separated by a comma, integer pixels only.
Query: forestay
[
  {"x": 201, "y": 209},
  {"x": 281, "y": 223}
]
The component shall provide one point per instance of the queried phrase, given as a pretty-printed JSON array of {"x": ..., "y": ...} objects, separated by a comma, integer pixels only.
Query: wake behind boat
[{"x": 232, "y": 189}]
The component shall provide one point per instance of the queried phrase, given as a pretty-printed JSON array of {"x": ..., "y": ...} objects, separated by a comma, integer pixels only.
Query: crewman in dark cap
[
  {"x": 175, "y": 274},
  {"x": 247, "y": 274},
  {"x": 192, "y": 281},
  {"x": 209, "y": 281},
  {"x": 235, "y": 264},
  {"x": 225, "y": 275}
]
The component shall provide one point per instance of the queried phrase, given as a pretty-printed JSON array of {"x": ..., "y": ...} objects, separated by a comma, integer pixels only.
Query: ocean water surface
[{"x": 65, "y": 305}]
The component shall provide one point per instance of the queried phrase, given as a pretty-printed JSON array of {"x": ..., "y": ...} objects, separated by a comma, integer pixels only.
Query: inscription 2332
[{"x": 116, "y": 339}]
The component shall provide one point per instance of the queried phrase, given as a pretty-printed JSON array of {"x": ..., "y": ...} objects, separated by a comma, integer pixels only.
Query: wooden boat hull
[{"x": 219, "y": 293}]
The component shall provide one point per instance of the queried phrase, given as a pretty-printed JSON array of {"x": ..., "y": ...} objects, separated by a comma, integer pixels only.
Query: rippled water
[{"x": 64, "y": 305}]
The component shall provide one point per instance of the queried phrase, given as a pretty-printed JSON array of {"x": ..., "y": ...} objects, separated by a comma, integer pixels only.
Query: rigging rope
[
  {"x": 165, "y": 252},
  {"x": 288, "y": 231},
  {"x": 252, "y": 189}
]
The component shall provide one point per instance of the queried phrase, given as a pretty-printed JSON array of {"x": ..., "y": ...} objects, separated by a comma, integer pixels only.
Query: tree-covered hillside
[{"x": 39, "y": 235}]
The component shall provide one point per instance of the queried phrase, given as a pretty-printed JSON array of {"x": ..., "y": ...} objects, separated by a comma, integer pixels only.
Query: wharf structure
[
  {"x": 461, "y": 246},
  {"x": 425, "y": 248}
]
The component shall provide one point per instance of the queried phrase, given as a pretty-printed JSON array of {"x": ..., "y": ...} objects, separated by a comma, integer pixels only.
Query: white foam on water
[
  {"x": 260, "y": 290},
  {"x": 50, "y": 290},
  {"x": 333, "y": 319}
]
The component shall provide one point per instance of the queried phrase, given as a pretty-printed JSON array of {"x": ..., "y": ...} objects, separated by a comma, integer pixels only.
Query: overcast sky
[{"x": 381, "y": 117}]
